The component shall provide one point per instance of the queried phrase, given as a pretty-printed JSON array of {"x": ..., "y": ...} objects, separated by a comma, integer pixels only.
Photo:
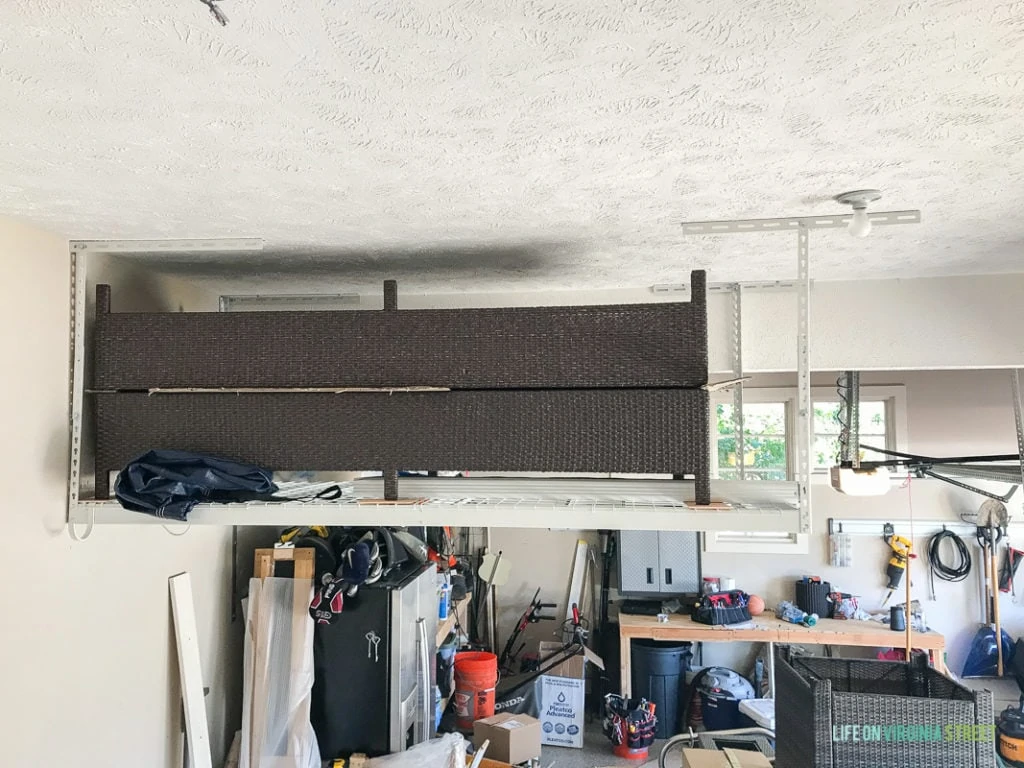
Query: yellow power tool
[{"x": 901, "y": 554}]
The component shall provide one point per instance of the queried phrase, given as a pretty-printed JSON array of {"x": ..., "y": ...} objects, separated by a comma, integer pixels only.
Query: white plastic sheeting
[
  {"x": 278, "y": 682},
  {"x": 447, "y": 752}
]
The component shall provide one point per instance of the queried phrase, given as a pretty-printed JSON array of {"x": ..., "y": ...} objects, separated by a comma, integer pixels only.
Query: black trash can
[{"x": 659, "y": 675}]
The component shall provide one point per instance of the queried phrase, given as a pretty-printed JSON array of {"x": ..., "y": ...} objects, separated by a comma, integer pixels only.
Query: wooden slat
[
  {"x": 186, "y": 636},
  {"x": 770, "y": 629},
  {"x": 265, "y": 561}
]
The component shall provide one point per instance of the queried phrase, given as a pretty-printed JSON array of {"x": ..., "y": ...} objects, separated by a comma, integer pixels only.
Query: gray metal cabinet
[
  {"x": 659, "y": 562},
  {"x": 639, "y": 561}
]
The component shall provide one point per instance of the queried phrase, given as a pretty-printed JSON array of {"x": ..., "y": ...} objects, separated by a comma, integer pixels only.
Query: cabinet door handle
[
  {"x": 668, "y": 575},
  {"x": 650, "y": 575}
]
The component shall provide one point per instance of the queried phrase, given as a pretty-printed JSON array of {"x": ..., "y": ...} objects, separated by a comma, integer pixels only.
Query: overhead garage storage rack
[{"x": 508, "y": 501}]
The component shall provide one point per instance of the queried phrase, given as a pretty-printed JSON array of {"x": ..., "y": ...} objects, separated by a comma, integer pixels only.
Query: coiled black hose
[{"x": 961, "y": 569}]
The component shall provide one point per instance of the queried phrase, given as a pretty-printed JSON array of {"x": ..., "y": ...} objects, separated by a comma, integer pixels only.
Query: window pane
[
  {"x": 826, "y": 418},
  {"x": 763, "y": 457},
  {"x": 872, "y": 417},
  {"x": 873, "y": 430},
  {"x": 764, "y": 441},
  {"x": 758, "y": 419},
  {"x": 826, "y": 449}
]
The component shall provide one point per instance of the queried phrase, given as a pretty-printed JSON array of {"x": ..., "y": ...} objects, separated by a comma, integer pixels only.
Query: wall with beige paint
[{"x": 87, "y": 656}]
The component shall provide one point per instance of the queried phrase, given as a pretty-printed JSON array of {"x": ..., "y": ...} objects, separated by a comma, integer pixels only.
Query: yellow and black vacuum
[{"x": 1010, "y": 724}]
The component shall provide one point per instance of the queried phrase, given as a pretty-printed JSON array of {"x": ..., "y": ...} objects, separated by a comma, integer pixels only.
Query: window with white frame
[
  {"x": 769, "y": 448},
  {"x": 765, "y": 443},
  {"x": 768, "y": 428}
]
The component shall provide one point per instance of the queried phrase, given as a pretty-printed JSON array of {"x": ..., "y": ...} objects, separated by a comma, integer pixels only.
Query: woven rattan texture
[
  {"x": 628, "y": 430},
  {"x": 820, "y": 693},
  {"x": 639, "y": 345}
]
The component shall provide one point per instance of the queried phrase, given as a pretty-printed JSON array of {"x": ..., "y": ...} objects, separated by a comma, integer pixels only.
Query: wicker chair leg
[
  {"x": 390, "y": 295},
  {"x": 102, "y": 484},
  {"x": 702, "y": 488},
  {"x": 391, "y": 484}
]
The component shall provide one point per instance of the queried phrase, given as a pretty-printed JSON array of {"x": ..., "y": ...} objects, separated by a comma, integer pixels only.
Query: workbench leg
[
  {"x": 625, "y": 665},
  {"x": 938, "y": 662},
  {"x": 771, "y": 670}
]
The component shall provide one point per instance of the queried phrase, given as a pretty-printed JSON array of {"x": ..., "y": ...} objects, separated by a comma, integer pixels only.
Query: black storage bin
[
  {"x": 812, "y": 597},
  {"x": 659, "y": 675}
]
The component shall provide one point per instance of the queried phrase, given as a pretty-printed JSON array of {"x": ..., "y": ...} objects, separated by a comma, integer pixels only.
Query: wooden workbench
[{"x": 770, "y": 630}]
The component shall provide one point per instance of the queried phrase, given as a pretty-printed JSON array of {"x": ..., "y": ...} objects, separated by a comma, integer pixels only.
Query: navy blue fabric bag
[{"x": 170, "y": 483}]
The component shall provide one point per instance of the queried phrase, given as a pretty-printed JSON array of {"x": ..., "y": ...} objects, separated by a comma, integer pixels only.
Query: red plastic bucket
[
  {"x": 476, "y": 676},
  {"x": 621, "y": 750}
]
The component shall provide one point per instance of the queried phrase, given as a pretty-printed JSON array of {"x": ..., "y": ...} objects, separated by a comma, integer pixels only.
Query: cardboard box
[
  {"x": 725, "y": 758},
  {"x": 562, "y": 698},
  {"x": 514, "y": 738}
]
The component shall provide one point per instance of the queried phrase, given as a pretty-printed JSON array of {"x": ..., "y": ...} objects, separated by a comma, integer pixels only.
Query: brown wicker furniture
[
  {"x": 559, "y": 389},
  {"x": 906, "y": 715}
]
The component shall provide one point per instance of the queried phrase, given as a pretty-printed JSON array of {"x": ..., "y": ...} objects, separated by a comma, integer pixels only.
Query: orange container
[{"x": 476, "y": 677}]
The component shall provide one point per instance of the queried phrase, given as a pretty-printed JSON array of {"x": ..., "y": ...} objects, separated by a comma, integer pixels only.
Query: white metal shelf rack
[{"x": 512, "y": 502}]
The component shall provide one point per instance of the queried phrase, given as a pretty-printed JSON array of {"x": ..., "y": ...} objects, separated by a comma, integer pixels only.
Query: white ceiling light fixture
[{"x": 860, "y": 224}]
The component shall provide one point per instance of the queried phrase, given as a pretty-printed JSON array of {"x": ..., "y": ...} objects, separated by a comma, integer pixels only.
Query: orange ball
[{"x": 755, "y": 605}]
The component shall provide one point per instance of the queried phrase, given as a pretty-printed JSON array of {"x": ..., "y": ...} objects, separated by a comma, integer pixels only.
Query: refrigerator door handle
[{"x": 426, "y": 695}]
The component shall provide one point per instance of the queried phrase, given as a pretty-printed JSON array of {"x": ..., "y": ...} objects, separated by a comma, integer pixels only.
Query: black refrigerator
[{"x": 373, "y": 687}]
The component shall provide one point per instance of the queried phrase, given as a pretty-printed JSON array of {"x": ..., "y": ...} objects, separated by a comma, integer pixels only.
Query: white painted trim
[{"x": 741, "y": 542}]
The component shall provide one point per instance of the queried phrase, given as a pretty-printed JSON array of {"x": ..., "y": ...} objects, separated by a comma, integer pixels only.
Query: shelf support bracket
[
  {"x": 737, "y": 368},
  {"x": 803, "y": 379},
  {"x": 1018, "y": 418}
]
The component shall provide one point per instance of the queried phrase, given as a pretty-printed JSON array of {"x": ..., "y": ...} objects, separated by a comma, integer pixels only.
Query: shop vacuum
[{"x": 1010, "y": 724}]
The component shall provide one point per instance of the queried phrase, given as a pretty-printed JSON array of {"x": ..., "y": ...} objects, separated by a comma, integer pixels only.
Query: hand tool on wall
[
  {"x": 995, "y": 601},
  {"x": 901, "y": 553},
  {"x": 1011, "y": 562},
  {"x": 987, "y": 649}
]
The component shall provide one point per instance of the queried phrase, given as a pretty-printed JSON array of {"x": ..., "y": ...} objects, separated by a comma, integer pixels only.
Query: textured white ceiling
[{"x": 530, "y": 143}]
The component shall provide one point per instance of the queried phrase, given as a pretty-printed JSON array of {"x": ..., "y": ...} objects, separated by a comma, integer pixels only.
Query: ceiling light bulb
[{"x": 860, "y": 224}]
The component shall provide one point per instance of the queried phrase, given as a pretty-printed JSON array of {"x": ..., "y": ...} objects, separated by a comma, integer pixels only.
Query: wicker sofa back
[
  {"x": 624, "y": 346},
  {"x": 857, "y": 713},
  {"x": 542, "y": 389}
]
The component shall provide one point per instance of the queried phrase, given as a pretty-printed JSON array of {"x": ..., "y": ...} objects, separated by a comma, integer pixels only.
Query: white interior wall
[
  {"x": 942, "y": 322},
  {"x": 87, "y": 655}
]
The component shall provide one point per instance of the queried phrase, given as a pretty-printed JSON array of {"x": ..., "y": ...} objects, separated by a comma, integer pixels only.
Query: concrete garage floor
[{"x": 597, "y": 753}]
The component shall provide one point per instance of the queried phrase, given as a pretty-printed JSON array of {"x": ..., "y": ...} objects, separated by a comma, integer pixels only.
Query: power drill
[{"x": 900, "y": 546}]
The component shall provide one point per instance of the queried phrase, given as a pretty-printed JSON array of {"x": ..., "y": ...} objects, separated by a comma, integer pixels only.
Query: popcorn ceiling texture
[{"x": 489, "y": 144}]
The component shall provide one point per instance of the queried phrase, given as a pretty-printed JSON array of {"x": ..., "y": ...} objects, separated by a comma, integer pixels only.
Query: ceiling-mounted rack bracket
[
  {"x": 801, "y": 225},
  {"x": 796, "y": 222},
  {"x": 737, "y": 369},
  {"x": 1018, "y": 418}
]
